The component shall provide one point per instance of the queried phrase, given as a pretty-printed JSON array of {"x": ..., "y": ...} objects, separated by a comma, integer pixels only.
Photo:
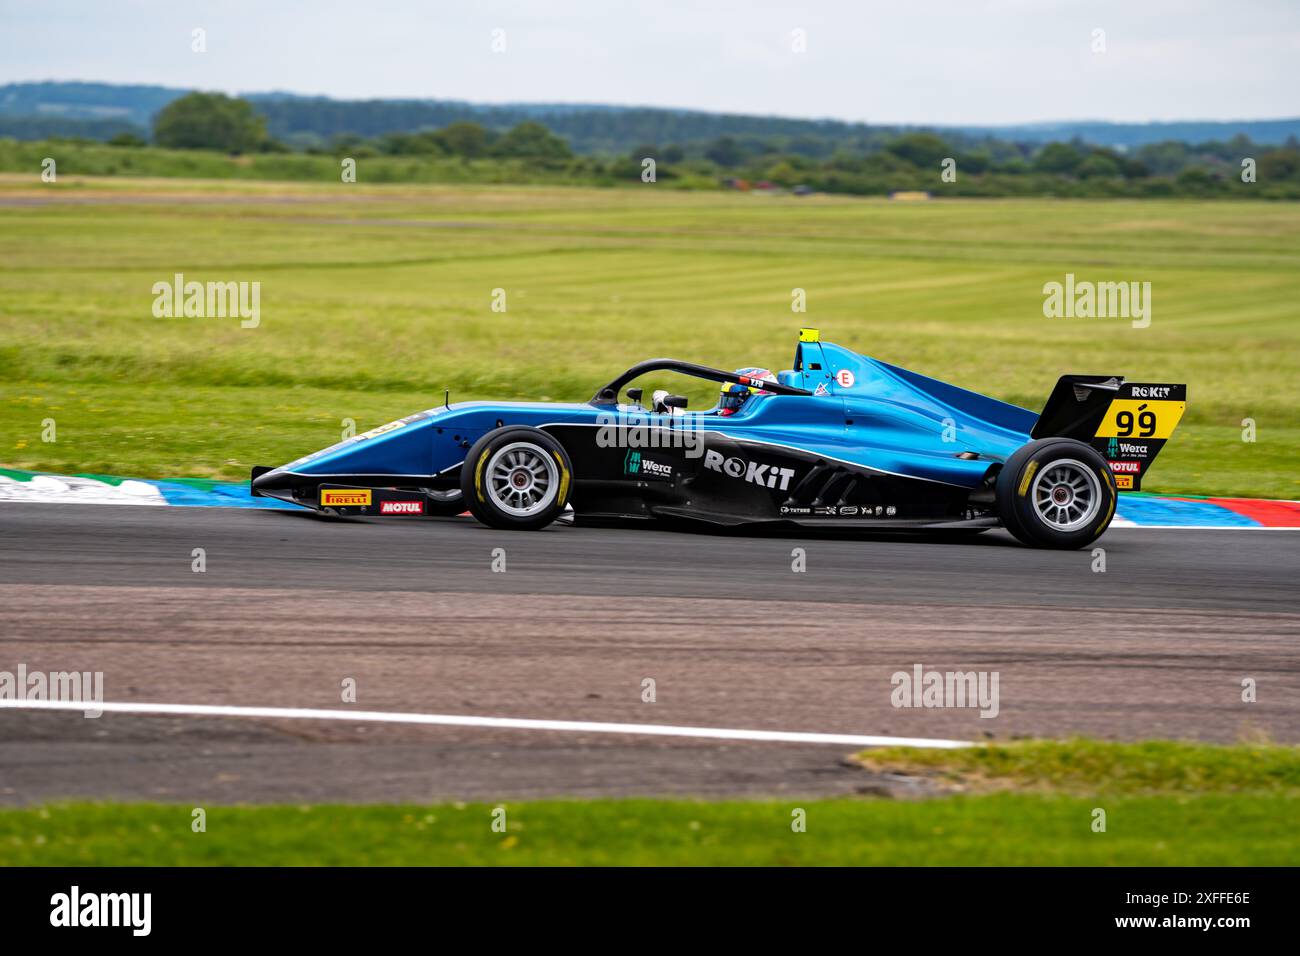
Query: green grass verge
[
  {"x": 1091, "y": 766},
  {"x": 988, "y": 830},
  {"x": 376, "y": 298},
  {"x": 1165, "y": 803},
  {"x": 98, "y": 159}
]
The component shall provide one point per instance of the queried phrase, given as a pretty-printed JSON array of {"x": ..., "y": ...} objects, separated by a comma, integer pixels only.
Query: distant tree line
[
  {"x": 231, "y": 125},
  {"x": 61, "y": 127},
  {"x": 874, "y": 163},
  {"x": 916, "y": 161}
]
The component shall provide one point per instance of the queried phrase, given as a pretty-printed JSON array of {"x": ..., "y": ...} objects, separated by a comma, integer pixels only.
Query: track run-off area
[{"x": 588, "y": 661}]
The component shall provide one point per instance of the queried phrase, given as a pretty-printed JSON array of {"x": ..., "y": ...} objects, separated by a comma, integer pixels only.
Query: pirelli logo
[
  {"x": 345, "y": 498},
  {"x": 1029, "y": 476}
]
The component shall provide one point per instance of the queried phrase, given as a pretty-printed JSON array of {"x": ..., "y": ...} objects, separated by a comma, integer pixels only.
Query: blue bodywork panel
[{"x": 862, "y": 412}]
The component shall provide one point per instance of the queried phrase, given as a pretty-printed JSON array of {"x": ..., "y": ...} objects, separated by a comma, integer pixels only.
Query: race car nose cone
[{"x": 264, "y": 480}]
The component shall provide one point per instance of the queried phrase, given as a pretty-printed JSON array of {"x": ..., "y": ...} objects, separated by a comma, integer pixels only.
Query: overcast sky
[{"x": 896, "y": 61}]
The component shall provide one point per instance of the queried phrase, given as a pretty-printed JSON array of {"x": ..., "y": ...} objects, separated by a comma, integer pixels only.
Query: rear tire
[
  {"x": 516, "y": 477},
  {"x": 1056, "y": 493}
]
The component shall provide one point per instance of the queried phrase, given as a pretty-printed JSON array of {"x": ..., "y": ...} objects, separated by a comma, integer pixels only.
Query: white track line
[{"x": 506, "y": 723}]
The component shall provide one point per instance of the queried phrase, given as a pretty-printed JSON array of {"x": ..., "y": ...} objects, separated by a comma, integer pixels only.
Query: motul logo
[
  {"x": 401, "y": 507},
  {"x": 1128, "y": 467}
]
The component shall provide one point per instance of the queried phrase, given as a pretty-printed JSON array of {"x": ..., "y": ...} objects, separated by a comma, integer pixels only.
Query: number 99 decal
[
  {"x": 1134, "y": 419},
  {"x": 1146, "y": 421}
]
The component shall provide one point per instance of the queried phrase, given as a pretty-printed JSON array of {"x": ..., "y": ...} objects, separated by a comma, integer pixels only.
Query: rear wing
[{"x": 1127, "y": 422}]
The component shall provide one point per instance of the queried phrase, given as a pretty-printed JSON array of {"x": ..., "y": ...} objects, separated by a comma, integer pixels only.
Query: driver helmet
[{"x": 734, "y": 396}]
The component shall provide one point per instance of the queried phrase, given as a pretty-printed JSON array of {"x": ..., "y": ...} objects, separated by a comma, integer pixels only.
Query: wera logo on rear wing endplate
[{"x": 1126, "y": 422}]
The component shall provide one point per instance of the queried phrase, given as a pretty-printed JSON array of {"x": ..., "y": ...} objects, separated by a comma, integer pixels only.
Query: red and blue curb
[{"x": 1170, "y": 511}]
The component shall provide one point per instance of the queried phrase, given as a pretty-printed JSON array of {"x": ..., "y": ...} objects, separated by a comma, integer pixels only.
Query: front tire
[
  {"x": 1056, "y": 493},
  {"x": 516, "y": 477}
]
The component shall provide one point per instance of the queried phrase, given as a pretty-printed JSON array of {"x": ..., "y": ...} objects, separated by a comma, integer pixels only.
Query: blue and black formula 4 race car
[{"x": 839, "y": 441}]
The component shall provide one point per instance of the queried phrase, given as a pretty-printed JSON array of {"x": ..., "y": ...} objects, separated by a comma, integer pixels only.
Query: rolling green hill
[{"x": 590, "y": 128}]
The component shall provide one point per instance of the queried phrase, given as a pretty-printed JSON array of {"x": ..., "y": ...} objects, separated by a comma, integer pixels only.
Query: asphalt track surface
[{"x": 291, "y": 605}]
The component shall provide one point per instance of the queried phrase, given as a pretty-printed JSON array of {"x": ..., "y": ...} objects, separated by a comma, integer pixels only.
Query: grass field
[
  {"x": 1165, "y": 804},
  {"x": 373, "y": 299}
]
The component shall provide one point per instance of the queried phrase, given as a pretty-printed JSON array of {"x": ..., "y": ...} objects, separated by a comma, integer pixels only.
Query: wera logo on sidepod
[
  {"x": 634, "y": 464},
  {"x": 765, "y": 476}
]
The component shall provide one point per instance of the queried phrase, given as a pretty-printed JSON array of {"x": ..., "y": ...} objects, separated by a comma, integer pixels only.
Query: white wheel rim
[
  {"x": 522, "y": 479},
  {"x": 1066, "y": 495}
]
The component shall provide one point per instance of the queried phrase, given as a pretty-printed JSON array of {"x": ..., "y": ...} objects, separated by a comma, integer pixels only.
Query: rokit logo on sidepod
[{"x": 765, "y": 476}]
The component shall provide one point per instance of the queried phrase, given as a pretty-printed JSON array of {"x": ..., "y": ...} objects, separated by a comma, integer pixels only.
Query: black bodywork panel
[{"x": 729, "y": 481}]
